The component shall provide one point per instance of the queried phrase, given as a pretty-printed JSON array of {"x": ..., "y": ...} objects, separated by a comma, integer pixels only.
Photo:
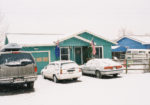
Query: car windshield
[
  {"x": 16, "y": 59},
  {"x": 69, "y": 65}
]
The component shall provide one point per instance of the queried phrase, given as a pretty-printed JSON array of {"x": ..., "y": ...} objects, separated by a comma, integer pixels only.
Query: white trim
[
  {"x": 36, "y": 45},
  {"x": 74, "y": 35},
  {"x": 102, "y": 51},
  {"x": 68, "y": 52},
  {"x": 78, "y": 37},
  {"x": 42, "y": 51},
  {"x": 82, "y": 55},
  {"x": 99, "y": 36},
  {"x": 99, "y": 50}
]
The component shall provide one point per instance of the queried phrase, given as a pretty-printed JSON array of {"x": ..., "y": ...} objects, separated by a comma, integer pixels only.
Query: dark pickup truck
[{"x": 17, "y": 67}]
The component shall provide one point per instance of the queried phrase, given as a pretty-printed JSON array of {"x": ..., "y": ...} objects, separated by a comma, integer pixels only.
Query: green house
[{"x": 75, "y": 47}]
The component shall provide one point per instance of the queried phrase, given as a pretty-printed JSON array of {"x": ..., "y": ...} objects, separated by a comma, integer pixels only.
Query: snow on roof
[
  {"x": 144, "y": 39},
  {"x": 34, "y": 39},
  {"x": 114, "y": 47},
  {"x": 30, "y": 39},
  {"x": 11, "y": 46},
  {"x": 138, "y": 50},
  {"x": 77, "y": 36}
]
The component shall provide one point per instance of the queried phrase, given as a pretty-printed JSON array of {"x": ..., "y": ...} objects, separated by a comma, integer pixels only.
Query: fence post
[
  {"x": 149, "y": 64},
  {"x": 126, "y": 66}
]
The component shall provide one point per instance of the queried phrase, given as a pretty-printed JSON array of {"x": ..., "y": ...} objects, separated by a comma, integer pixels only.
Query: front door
[{"x": 78, "y": 56}]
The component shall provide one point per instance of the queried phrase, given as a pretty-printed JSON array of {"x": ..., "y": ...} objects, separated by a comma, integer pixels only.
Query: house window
[
  {"x": 45, "y": 59},
  {"x": 99, "y": 52},
  {"x": 38, "y": 59},
  {"x": 64, "y": 55}
]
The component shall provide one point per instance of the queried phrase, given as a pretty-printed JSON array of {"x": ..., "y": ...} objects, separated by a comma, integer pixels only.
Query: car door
[
  {"x": 56, "y": 68},
  {"x": 45, "y": 71},
  {"x": 87, "y": 67},
  {"x": 92, "y": 68},
  {"x": 51, "y": 69}
]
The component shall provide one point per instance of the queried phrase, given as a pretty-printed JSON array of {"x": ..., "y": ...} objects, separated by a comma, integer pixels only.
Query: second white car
[
  {"x": 62, "y": 70},
  {"x": 100, "y": 67}
]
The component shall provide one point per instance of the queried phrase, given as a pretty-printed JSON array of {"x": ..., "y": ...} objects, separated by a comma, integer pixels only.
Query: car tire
[
  {"x": 82, "y": 73},
  {"x": 30, "y": 85},
  {"x": 98, "y": 74},
  {"x": 115, "y": 75},
  {"x": 55, "y": 79},
  {"x": 75, "y": 79},
  {"x": 43, "y": 76}
]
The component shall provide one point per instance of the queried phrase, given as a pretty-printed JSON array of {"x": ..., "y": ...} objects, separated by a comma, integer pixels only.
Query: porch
[{"x": 80, "y": 54}]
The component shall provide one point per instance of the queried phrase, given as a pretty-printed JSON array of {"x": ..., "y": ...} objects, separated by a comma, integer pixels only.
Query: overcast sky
[{"x": 104, "y": 17}]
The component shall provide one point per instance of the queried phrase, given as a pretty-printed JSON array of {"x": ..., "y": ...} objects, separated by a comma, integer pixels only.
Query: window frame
[
  {"x": 65, "y": 54},
  {"x": 99, "y": 51}
]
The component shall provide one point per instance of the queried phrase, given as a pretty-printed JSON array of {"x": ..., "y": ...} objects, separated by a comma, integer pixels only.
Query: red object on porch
[{"x": 124, "y": 63}]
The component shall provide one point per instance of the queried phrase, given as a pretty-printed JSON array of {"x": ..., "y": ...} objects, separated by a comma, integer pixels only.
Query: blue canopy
[{"x": 119, "y": 49}]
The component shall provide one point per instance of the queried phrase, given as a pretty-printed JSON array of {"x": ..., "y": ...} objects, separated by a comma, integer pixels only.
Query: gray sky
[{"x": 104, "y": 17}]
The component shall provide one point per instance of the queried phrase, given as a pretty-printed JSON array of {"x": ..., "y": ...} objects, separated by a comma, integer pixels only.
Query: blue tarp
[{"x": 119, "y": 49}]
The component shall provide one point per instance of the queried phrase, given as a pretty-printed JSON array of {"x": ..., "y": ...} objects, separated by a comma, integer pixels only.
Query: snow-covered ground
[{"x": 130, "y": 89}]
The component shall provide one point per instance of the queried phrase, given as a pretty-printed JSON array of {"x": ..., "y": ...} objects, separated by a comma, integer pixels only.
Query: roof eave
[
  {"x": 99, "y": 36},
  {"x": 131, "y": 39},
  {"x": 85, "y": 40},
  {"x": 37, "y": 45}
]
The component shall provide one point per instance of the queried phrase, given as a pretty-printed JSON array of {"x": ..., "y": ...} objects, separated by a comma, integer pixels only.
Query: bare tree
[
  {"x": 124, "y": 32},
  {"x": 3, "y": 29}
]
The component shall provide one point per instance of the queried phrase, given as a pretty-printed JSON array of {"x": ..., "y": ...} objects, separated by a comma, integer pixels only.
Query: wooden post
[
  {"x": 126, "y": 66},
  {"x": 149, "y": 64}
]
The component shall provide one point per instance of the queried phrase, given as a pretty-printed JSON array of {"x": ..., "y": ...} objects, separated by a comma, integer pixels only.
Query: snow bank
[{"x": 124, "y": 90}]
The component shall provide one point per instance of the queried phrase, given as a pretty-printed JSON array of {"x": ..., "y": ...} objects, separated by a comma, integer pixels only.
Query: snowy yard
[{"x": 130, "y": 89}]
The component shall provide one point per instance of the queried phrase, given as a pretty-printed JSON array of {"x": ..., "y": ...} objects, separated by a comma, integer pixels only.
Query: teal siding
[
  {"x": 99, "y": 42},
  {"x": 42, "y": 63},
  {"x": 72, "y": 53},
  {"x": 43, "y": 48},
  {"x": 36, "y": 48},
  {"x": 107, "y": 52},
  {"x": 41, "y": 58},
  {"x": 73, "y": 42}
]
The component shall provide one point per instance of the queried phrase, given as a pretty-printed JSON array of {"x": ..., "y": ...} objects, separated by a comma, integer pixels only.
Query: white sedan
[
  {"x": 100, "y": 67},
  {"x": 61, "y": 70}
]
